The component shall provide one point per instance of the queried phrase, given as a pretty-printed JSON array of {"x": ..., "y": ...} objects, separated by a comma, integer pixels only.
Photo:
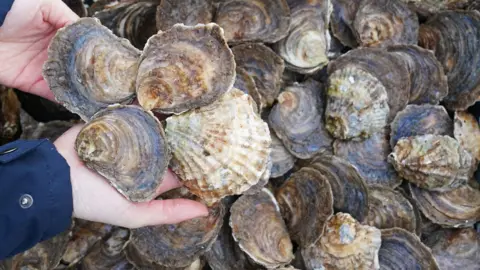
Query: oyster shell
[
  {"x": 455, "y": 248},
  {"x": 297, "y": 119},
  {"x": 428, "y": 80},
  {"x": 455, "y": 208},
  {"x": 306, "y": 202},
  {"x": 345, "y": 244},
  {"x": 403, "y": 250},
  {"x": 10, "y": 125},
  {"x": 122, "y": 143},
  {"x": 188, "y": 12},
  {"x": 265, "y": 67},
  {"x": 305, "y": 49},
  {"x": 183, "y": 68},
  {"x": 380, "y": 23},
  {"x": 428, "y": 8},
  {"x": 89, "y": 68},
  {"x": 350, "y": 193},
  {"x": 246, "y": 83},
  {"x": 422, "y": 119},
  {"x": 342, "y": 21},
  {"x": 253, "y": 20},
  {"x": 467, "y": 132},
  {"x": 454, "y": 36},
  {"x": 474, "y": 5},
  {"x": 432, "y": 162},
  {"x": 258, "y": 228},
  {"x": 221, "y": 149},
  {"x": 370, "y": 158},
  {"x": 52, "y": 130},
  {"x": 282, "y": 160}
]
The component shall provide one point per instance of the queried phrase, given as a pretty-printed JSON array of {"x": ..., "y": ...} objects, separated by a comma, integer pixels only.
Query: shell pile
[{"x": 321, "y": 134}]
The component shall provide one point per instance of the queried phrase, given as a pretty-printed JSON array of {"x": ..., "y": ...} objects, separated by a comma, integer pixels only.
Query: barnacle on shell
[
  {"x": 265, "y": 21},
  {"x": 89, "y": 68},
  {"x": 10, "y": 120},
  {"x": 344, "y": 245},
  {"x": 221, "y": 149},
  {"x": 183, "y": 68},
  {"x": 126, "y": 145},
  {"x": 432, "y": 162},
  {"x": 282, "y": 160},
  {"x": 342, "y": 18},
  {"x": 467, "y": 132},
  {"x": 188, "y": 12}
]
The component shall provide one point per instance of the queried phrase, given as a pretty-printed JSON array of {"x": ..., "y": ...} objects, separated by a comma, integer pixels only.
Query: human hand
[
  {"x": 24, "y": 38},
  {"x": 95, "y": 200}
]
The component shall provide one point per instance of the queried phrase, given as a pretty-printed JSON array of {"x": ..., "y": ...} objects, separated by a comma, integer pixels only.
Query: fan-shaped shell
[
  {"x": 89, "y": 68},
  {"x": 282, "y": 160},
  {"x": 188, "y": 12},
  {"x": 467, "y": 132},
  {"x": 432, "y": 162},
  {"x": 253, "y": 20},
  {"x": 221, "y": 149},
  {"x": 246, "y": 83},
  {"x": 183, "y": 68},
  {"x": 126, "y": 145},
  {"x": 297, "y": 119},
  {"x": 342, "y": 20}
]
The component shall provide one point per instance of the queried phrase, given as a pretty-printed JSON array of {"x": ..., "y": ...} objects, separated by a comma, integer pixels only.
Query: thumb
[{"x": 57, "y": 13}]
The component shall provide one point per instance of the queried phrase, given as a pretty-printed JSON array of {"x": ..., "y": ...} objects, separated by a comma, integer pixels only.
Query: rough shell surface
[
  {"x": 89, "y": 68},
  {"x": 433, "y": 162},
  {"x": 246, "y": 83},
  {"x": 282, "y": 160},
  {"x": 345, "y": 244},
  {"x": 467, "y": 132},
  {"x": 342, "y": 21},
  {"x": 221, "y": 149},
  {"x": 188, "y": 12},
  {"x": 126, "y": 145},
  {"x": 183, "y": 68},
  {"x": 428, "y": 8}
]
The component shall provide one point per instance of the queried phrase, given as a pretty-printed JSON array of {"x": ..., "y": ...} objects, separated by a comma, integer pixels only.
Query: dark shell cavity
[{"x": 342, "y": 21}]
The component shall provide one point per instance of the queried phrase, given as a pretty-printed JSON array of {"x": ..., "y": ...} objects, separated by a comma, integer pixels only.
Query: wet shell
[
  {"x": 456, "y": 248},
  {"x": 342, "y": 20},
  {"x": 454, "y": 36},
  {"x": 345, "y": 245},
  {"x": 467, "y": 133},
  {"x": 126, "y": 145},
  {"x": 402, "y": 250},
  {"x": 428, "y": 80},
  {"x": 306, "y": 202},
  {"x": 260, "y": 231},
  {"x": 422, "y": 119},
  {"x": 246, "y": 83},
  {"x": 253, "y": 20},
  {"x": 455, "y": 208},
  {"x": 350, "y": 193},
  {"x": 305, "y": 49},
  {"x": 370, "y": 158},
  {"x": 388, "y": 208},
  {"x": 10, "y": 121},
  {"x": 188, "y": 12},
  {"x": 183, "y": 68},
  {"x": 89, "y": 68},
  {"x": 433, "y": 162},
  {"x": 221, "y": 149},
  {"x": 297, "y": 119},
  {"x": 380, "y": 23},
  {"x": 265, "y": 67}
]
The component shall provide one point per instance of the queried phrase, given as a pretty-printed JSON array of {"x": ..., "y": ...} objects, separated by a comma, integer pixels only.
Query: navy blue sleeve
[
  {"x": 36, "y": 200},
  {"x": 5, "y": 6}
]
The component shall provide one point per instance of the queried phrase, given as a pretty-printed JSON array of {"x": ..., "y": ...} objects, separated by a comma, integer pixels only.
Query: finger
[
  {"x": 57, "y": 13},
  {"x": 170, "y": 181},
  {"x": 40, "y": 88}
]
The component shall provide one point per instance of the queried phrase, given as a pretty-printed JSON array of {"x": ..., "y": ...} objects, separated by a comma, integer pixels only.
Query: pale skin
[{"x": 24, "y": 38}]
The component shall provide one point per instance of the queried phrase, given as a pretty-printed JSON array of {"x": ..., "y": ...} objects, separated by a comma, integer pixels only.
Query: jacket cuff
[{"x": 5, "y": 6}]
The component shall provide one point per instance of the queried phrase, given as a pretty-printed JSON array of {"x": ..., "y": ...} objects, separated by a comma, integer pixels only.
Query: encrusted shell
[
  {"x": 467, "y": 132},
  {"x": 297, "y": 119},
  {"x": 10, "y": 120},
  {"x": 221, "y": 149},
  {"x": 282, "y": 160},
  {"x": 183, "y": 68},
  {"x": 188, "y": 12},
  {"x": 344, "y": 245},
  {"x": 89, "y": 68},
  {"x": 342, "y": 20},
  {"x": 126, "y": 145},
  {"x": 432, "y": 162},
  {"x": 306, "y": 202},
  {"x": 260, "y": 231}
]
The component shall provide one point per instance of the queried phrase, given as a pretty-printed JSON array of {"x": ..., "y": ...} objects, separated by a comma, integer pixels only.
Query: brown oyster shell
[
  {"x": 455, "y": 248},
  {"x": 427, "y": 8},
  {"x": 433, "y": 162},
  {"x": 253, "y": 20},
  {"x": 342, "y": 20},
  {"x": 350, "y": 193},
  {"x": 345, "y": 244},
  {"x": 265, "y": 67},
  {"x": 297, "y": 119},
  {"x": 306, "y": 202},
  {"x": 183, "y": 68},
  {"x": 89, "y": 68},
  {"x": 422, "y": 119},
  {"x": 454, "y": 37},
  {"x": 188, "y": 12},
  {"x": 10, "y": 124},
  {"x": 258, "y": 228},
  {"x": 221, "y": 149},
  {"x": 401, "y": 249},
  {"x": 455, "y": 208},
  {"x": 467, "y": 132},
  {"x": 246, "y": 83},
  {"x": 428, "y": 80},
  {"x": 282, "y": 160},
  {"x": 370, "y": 158},
  {"x": 305, "y": 48},
  {"x": 121, "y": 143}
]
